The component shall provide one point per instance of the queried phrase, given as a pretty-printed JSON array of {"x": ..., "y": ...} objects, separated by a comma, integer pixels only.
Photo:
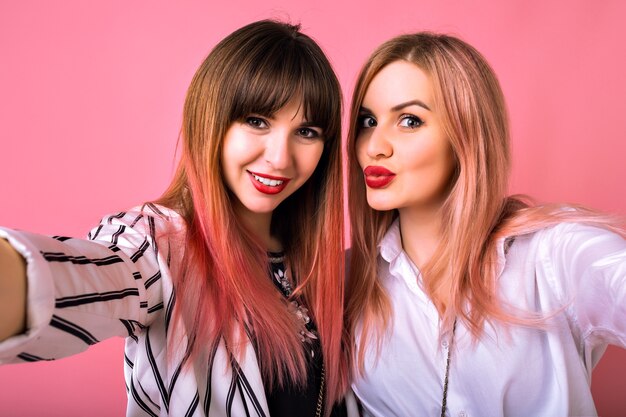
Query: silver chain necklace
[{"x": 444, "y": 400}]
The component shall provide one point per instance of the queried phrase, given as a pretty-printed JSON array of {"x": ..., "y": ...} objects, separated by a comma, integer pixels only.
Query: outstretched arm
[
  {"x": 12, "y": 291},
  {"x": 591, "y": 264},
  {"x": 82, "y": 291}
]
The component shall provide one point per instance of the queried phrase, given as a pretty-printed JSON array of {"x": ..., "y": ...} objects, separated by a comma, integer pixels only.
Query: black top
[{"x": 291, "y": 401}]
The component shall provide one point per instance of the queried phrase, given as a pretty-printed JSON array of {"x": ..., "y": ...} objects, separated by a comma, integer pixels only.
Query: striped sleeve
[{"x": 82, "y": 291}]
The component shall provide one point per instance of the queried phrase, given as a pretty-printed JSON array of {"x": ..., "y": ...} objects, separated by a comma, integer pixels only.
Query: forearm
[
  {"x": 81, "y": 291},
  {"x": 12, "y": 291}
]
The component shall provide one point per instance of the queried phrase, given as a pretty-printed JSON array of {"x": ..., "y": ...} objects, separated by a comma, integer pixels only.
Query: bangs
[{"x": 272, "y": 73}]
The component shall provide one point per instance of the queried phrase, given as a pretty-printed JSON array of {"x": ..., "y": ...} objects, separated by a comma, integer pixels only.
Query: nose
[
  {"x": 277, "y": 151},
  {"x": 377, "y": 144}
]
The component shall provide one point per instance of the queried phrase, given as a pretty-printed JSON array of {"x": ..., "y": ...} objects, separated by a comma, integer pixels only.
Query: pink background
[{"x": 92, "y": 92}]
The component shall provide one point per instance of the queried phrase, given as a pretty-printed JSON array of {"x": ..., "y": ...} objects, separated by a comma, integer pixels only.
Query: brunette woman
[
  {"x": 465, "y": 301},
  {"x": 229, "y": 288}
]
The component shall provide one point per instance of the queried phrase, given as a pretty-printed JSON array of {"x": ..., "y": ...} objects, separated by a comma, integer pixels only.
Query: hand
[{"x": 12, "y": 291}]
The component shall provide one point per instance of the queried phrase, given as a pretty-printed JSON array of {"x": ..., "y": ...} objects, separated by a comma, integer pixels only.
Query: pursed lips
[{"x": 377, "y": 176}]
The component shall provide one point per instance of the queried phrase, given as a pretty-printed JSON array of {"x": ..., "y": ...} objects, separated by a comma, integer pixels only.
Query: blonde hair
[
  {"x": 476, "y": 212},
  {"x": 225, "y": 288}
]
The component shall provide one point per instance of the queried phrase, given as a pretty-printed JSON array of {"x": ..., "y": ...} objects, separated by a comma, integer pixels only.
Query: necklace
[
  {"x": 320, "y": 397},
  {"x": 308, "y": 334},
  {"x": 444, "y": 400}
]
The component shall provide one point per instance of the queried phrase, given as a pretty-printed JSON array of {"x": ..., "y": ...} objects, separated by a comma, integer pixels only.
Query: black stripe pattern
[
  {"x": 119, "y": 283},
  {"x": 80, "y": 260},
  {"x": 27, "y": 357},
  {"x": 89, "y": 298},
  {"x": 73, "y": 329}
]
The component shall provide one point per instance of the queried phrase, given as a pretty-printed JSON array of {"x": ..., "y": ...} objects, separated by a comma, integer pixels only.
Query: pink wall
[{"x": 91, "y": 97}]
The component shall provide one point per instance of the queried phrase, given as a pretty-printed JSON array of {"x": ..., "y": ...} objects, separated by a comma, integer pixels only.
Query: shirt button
[
  {"x": 462, "y": 414},
  {"x": 445, "y": 346}
]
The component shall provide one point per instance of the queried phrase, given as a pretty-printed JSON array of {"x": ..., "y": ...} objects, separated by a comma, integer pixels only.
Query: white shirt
[
  {"x": 119, "y": 283},
  {"x": 524, "y": 372}
]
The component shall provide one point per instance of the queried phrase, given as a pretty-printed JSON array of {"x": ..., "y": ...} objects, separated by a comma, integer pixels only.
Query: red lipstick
[
  {"x": 268, "y": 184},
  {"x": 377, "y": 176}
]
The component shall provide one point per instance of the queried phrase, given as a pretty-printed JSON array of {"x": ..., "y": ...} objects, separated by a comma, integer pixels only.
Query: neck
[
  {"x": 420, "y": 228},
  {"x": 260, "y": 225},
  {"x": 421, "y": 231}
]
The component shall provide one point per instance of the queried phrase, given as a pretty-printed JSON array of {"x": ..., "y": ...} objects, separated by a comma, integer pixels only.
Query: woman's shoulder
[
  {"x": 160, "y": 213},
  {"x": 577, "y": 232},
  {"x": 571, "y": 240},
  {"x": 148, "y": 220},
  {"x": 564, "y": 243},
  {"x": 562, "y": 225},
  {"x": 137, "y": 216}
]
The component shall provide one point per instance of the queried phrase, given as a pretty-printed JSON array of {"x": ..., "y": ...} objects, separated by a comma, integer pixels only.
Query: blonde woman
[
  {"x": 229, "y": 289},
  {"x": 464, "y": 301}
]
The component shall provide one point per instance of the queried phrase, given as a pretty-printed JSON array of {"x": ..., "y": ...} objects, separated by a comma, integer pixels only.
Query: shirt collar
[
  {"x": 400, "y": 265},
  {"x": 390, "y": 246}
]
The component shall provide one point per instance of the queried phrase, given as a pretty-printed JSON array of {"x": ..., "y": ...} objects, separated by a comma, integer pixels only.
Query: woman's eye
[
  {"x": 309, "y": 133},
  {"x": 410, "y": 121},
  {"x": 256, "y": 122},
  {"x": 366, "y": 122}
]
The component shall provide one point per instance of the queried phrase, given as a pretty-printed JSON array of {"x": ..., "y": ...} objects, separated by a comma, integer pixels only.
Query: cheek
[
  {"x": 236, "y": 144},
  {"x": 429, "y": 162},
  {"x": 451, "y": 163},
  {"x": 440, "y": 168},
  {"x": 228, "y": 158},
  {"x": 443, "y": 160},
  {"x": 229, "y": 147},
  {"x": 228, "y": 171},
  {"x": 233, "y": 156},
  {"x": 308, "y": 158},
  {"x": 359, "y": 150}
]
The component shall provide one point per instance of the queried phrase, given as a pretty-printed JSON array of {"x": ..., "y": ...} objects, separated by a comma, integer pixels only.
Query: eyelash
[
  {"x": 256, "y": 122},
  {"x": 260, "y": 123},
  {"x": 366, "y": 118},
  {"x": 418, "y": 122},
  {"x": 361, "y": 121},
  {"x": 310, "y": 133}
]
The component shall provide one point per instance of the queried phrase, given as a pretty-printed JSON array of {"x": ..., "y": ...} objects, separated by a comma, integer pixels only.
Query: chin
[
  {"x": 381, "y": 205},
  {"x": 262, "y": 209},
  {"x": 259, "y": 207}
]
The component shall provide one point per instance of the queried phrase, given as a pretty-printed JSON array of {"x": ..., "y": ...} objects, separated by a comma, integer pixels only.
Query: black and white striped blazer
[{"x": 119, "y": 283}]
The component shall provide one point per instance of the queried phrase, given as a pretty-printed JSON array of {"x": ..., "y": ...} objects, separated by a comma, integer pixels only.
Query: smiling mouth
[
  {"x": 267, "y": 181},
  {"x": 268, "y": 184}
]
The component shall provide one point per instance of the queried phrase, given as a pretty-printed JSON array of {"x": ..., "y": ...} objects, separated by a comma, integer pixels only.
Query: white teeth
[{"x": 267, "y": 181}]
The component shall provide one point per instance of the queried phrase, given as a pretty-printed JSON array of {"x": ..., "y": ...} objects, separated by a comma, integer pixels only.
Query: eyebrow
[
  {"x": 305, "y": 123},
  {"x": 401, "y": 106}
]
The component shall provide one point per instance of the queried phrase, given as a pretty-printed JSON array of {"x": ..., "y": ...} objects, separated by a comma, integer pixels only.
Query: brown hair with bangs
[{"x": 224, "y": 288}]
